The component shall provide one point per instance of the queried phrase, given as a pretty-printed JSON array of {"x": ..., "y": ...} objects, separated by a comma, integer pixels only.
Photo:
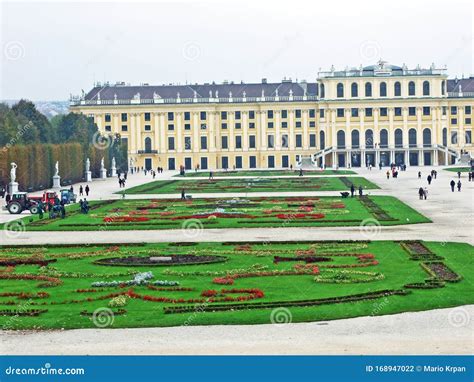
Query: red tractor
[{"x": 20, "y": 202}]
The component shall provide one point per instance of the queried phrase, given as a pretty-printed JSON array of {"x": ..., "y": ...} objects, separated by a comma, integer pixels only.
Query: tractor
[
  {"x": 21, "y": 202},
  {"x": 68, "y": 196}
]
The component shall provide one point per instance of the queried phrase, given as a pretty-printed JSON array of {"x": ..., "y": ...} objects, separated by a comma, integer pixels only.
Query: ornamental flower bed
[
  {"x": 22, "y": 312},
  {"x": 125, "y": 219},
  {"x": 348, "y": 277},
  {"x": 47, "y": 281},
  {"x": 300, "y": 216},
  {"x": 306, "y": 259},
  {"x": 441, "y": 271},
  {"x": 5, "y": 262},
  {"x": 25, "y": 295}
]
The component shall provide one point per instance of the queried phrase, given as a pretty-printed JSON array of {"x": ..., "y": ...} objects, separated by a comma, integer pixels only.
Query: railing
[
  {"x": 461, "y": 94},
  {"x": 147, "y": 151}
]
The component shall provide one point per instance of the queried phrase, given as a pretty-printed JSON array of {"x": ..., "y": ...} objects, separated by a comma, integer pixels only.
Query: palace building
[{"x": 378, "y": 114}]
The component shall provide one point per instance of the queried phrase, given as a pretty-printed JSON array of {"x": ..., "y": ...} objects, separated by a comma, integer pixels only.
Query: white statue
[
  {"x": 13, "y": 172},
  {"x": 88, "y": 164},
  {"x": 113, "y": 162},
  {"x": 102, "y": 163},
  {"x": 56, "y": 169}
]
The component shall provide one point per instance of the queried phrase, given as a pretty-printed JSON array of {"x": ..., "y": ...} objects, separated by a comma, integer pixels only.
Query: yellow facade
[{"x": 408, "y": 117}]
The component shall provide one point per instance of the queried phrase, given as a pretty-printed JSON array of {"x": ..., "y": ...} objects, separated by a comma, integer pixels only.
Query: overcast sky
[{"x": 52, "y": 49}]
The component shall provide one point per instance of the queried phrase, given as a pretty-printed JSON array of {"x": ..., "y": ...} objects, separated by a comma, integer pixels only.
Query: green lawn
[
  {"x": 311, "y": 281},
  {"x": 205, "y": 174},
  {"x": 197, "y": 186},
  {"x": 228, "y": 213},
  {"x": 458, "y": 169}
]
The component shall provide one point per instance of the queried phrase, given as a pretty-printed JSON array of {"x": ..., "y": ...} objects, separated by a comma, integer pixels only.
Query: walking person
[
  {"x": 429, "y": 178},
  {"x": 183, "y": 194},
  {"x": 470, "y": 176},
  {"x": 452, "y": 184},
  {"x": 421, "y": 193},
  {"x": 459, "y": 174},
  {"x": 87, "y": 189},
  {"x": 419, "y": 174},
  {"x": 388, "y": 174},
  {"x": 360, "y": 191},
  {"x": 81, "y": 190},
  {"x": 425, "y": 193},
  {"x": 459, "y": 186},
  {"x": 352, "y": 190}
]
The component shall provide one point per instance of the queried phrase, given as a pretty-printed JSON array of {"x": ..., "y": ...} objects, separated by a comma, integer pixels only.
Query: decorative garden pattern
[
  {"x": 231, "y": 173},
  {"x": 231, "y": 213},
  {"x": 52, "y": 287}
]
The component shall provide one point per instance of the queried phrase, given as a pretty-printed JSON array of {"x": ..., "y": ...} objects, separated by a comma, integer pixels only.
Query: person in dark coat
[
  {"x": 87, "y": 189},
  {"x": 360, "y": 191},
  {"x": 419, "y": 174},
  {"x": 352, "y": 190},
  {"x": 459, "y": 185},
  {"x": 429, "y": 178},
  {"x": 81, "y": 190},
  {"x": 421, "y": 193},
  {"x": 183, "y": 194},
  {"x": 459, "y": 174},
  {"x": 452, "y": 184}
]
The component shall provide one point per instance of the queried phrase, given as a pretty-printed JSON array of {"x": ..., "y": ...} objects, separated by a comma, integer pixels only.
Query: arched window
[
  {"x": 411, "y": 88},
  {"x": 383, "y": 138},
  {"x": 369, "y": 139},
  {"x": 340, "y": 90},
  {"x": 398, "y": 138},
  {"x": 412, "y": 138},
  {"x": 426, "y": 88},
  {"x": 147, "y": 144},
  {"x": 341, "y": 139},
  {"x": 397, "y": 89},
  {"x": 368, "y": 89},
  {"x": 355, "y": 139},
  {"x": 322, "y": 142},
  {"x": 322, "y": 92},
  {"x": 426, "y": 137},
  {"x": 445, "y": 136},
  {"x": 443, "y": 87},
  {"x": 354, "y": 90},
  {"x": 383, "y": 89}
]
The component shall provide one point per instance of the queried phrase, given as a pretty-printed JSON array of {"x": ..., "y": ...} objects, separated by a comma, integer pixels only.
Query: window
[
  {"x": 170, "y": 143},
  {"x": 284, "y": 141},
  {"x": 147, "y": 127},
  {"x": 299, "y": 141},
  {"x": 368, "y": 112},
  {"x": 426, "y": 88},
  {"x": 398, "y": 112},
  {"x": 124, "y": 128},
  {"x": 298, "y": 124},
  {"x": 383, "y": 138},
  {"x": 170, "y": 127},
  {"x": 312, "y": 113},
  {"x": 321, "y": 113},
  {"x": 224, "y": 126},
  {"x": 467, "y": 109},
  {"x": 454, "y": 121},
  {"x": 187, "y": 116},
  {"x": 252, "y": 141},
  {"x": 443, "y": 87},
  {"x": 322, "y": 141},
  {"x": 340, "y": 113},
  {"x": 426, "y": 110},
  {"x": 223, "y": 115},
  {"x": 170, "y": 116},
  {"x": 397, "y": 89},
  {"x": 124, "y": 117},
  {"x": 445, "y": 136},
  {"x": 454, "y": 110},
  {"x": 238, "y": 115},
  {"x": 270, "y": 141},
  {"x": 369, "y": 139},
  {"x": 312, "y": 140},
  {"x": 411, "y": 88},
  {"x": 355, "y": 139},
  {"x": 238, "y": 162},
  {"x": 322, "y": 92},
  {"x": 312, "y": 124},
  {"x": 203, "y": 115},
  {"x": 445, "y": 110},
  {"x": 251, "y": 114},
  {"x": 171, "y": 164},
  {"x": 454, "y": 137},
  {"x": 270, "y": 114},
  {"x": 468, "y": 137},
  {"x": 147, "y": 145},
  {"x": 224, "y": 142},
  {"x": 341, "y": 139},
  {"x": 203, "y": 143},
  {"x": 187, "y": 126},
  {"x": 398, "y": 138},
  {"x": 252, "y": 161},
  {"x": 107, "y": 118},
  {"x": 251, "y": 125},
  {"x": 147, "y": 117},
  {"x": 412, "y": 138},
  {"x": 383, "y": 89},
  {"x": 238, "y": 141},
  {"x": 368, "y": 89},
  {"x": 270, "y": 125},
  {"x": 383, "y": 111},
  {"x": 238, "y": 125},
  {"x": 412, "y": 111},
  {"x": 187, "y": 143},
  {"x": 340, "y": 90},
  {"x": 109, "y": 128},
  {"x": 284, "y": 114},
  {"x": 297, "y": 113},
  {"x": 467, "y": 121},
  {"x": 354, "y": 112},
  {"x": 426, "y": 137},
  {"x": 284, "y": 125},
  {"x": 354, "y": 90}
]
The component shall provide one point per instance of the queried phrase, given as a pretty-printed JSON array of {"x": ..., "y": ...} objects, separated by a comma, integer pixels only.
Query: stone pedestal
[
  {"x": 56, "y": 181},
  {"x": 12, "y": 188},
  {"x": 103, "y": 173},
  {"x": 113, "y": 171},
  {"x": 88, "y": 176}
]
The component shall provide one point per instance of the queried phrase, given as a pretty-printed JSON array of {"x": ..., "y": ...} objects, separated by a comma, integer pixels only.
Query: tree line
[{"x": 35, "y": 143}]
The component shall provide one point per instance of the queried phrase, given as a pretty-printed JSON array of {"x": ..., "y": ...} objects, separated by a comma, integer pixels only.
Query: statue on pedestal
[{"x": 13, "y": 172}]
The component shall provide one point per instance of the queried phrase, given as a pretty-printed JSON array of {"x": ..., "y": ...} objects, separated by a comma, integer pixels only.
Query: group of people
[
  {"x": 361, "y": 191},
  {"x": 85, "y": 189},
  {"x": 84, "y": 206}
]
